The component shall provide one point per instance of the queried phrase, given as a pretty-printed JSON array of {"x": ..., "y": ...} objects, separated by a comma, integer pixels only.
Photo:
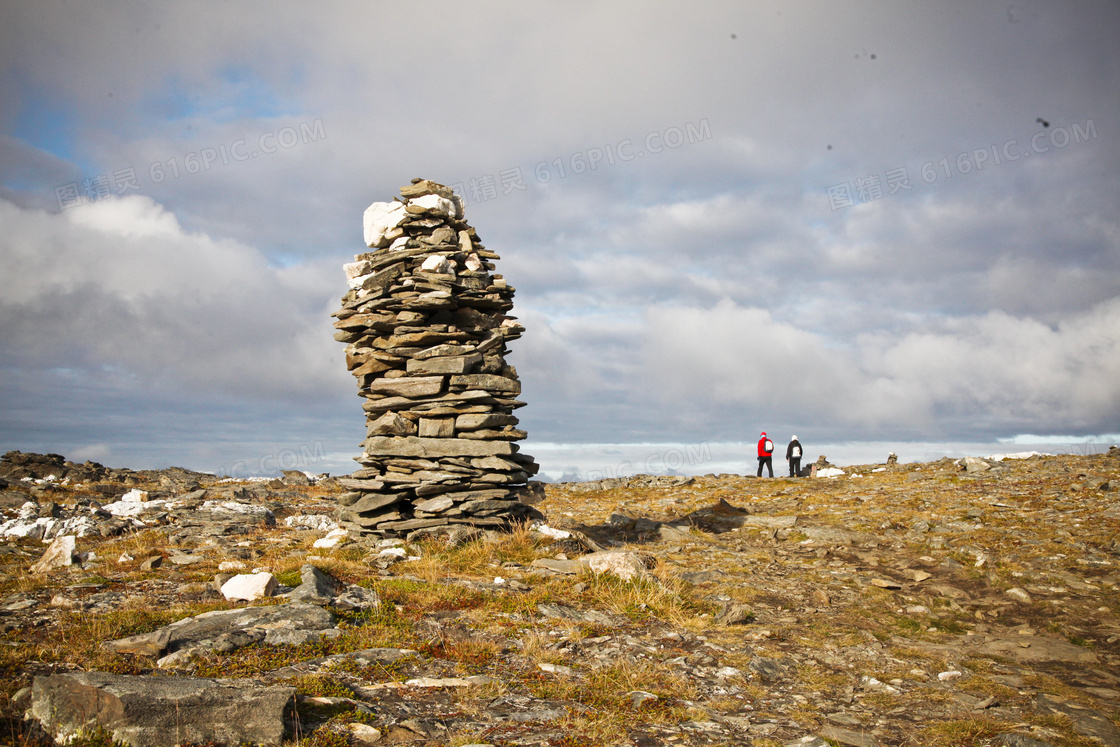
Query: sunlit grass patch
[
  {"x": 416, "y": 598},
  {"x": 139, "y": 545},
  {"x": 256, "y": 658},
  {"x": 319, "y": 685},
  {"x": 665, "y": 597},
  {"x": 820, "y": 680},
  {"x": 472, "y": 656},
  {"x": 980, "y": 685},
  {"x": 76, "y": 638},
  {"x": 963, "y": 732},
  {"x": 606, "y": 691},
  {"x": 378, "y": 628}
]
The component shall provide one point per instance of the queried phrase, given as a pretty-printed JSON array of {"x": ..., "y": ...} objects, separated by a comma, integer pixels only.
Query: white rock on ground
[
  {"x": 548, "y": 531},
  {"x": 21, "y": 525},
  {"x": 123, "y": 508},
  {"x": 311, "y": 521},
  {"x": 333, "y": 539},
  {"x": 1016, "y": 455},
  {"x": 58, "y": 555},
  {"x": 250, "y": 586},
  {"x": 234, "y": 507},
  {"x": 974, "y": 464},
  {"x": 626, "y": 565},
  {"x": 363, "y": 734},
  {"x": 28, "y": 523}
]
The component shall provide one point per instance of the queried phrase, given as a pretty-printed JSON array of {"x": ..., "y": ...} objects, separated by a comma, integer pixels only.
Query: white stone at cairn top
[{"x": 380, "y": 218}]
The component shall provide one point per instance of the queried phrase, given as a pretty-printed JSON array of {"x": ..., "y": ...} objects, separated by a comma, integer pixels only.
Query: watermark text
[
  {"x": 507, "y": 181},
  {"x": 119, "y": 182},
  {"x": 871, "y": 187}
]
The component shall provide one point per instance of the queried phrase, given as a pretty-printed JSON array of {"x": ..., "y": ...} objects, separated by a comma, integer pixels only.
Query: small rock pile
[{"x": 426, "y": 328}]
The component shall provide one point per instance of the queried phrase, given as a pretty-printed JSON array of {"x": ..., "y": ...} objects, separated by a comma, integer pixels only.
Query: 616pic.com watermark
[
  {"x": 122, "y": 181},
  {"x": 485, "y": 187},
  {"x": 870, "y": 187}
]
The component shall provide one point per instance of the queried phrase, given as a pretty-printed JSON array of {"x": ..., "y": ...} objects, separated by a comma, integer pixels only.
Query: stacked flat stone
[{"x": 425, "y": 327}]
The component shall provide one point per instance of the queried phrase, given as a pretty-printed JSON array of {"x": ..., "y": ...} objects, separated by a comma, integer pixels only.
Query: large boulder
[
  {"x": 146, "y": 711},
  {"x": 627, "y": 566}
]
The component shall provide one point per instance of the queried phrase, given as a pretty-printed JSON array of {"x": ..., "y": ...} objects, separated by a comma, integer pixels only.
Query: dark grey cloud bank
[{"x": 744, "y": 255}]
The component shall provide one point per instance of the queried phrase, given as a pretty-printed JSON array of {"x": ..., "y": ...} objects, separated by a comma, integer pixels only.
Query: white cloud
[
  {"x": 119, "y": 283},
  {"x": 971, "y": 373}
]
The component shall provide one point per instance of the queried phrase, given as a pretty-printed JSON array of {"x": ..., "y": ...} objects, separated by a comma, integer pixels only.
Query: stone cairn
[{"x": 426, "y": 328}]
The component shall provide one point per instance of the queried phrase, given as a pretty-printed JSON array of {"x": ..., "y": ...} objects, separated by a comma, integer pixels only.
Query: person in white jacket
[{"x": 793, "y": 456}]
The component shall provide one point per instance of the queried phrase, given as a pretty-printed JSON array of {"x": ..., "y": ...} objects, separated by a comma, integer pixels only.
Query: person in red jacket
[{"x": 765, "y": 450}]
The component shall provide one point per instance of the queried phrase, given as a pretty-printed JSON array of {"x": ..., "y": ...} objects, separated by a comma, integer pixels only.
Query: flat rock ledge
[
  {"x": 147, "y": 711},
  {"x": 229, "y": 630}
]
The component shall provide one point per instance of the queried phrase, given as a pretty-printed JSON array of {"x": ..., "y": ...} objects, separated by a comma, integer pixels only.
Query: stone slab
[
  {"x": 471, "y": 421},
  {"x": 437, "y": 427},
  {"x": 444, "y": 350},
  {"x": 434, "y": 505},
  {"x": 410, "y": 524},
  {"x": 190, "y": 631},
  {"x": 490, "y": 506},
  {"x": 1031, "y": 648},
  {"x": 371, "y": 520},
  {"x": 1087, "y": 722},
  {"x": 487, "y": 382},
  {"x": 409, "y": 386},
  {"x": 496, "y": 463},
  {"x": 459, "y": 364},
  {"x": 351, "y": 484},
  {"x": 428, "y": 448},
  {"x": 770, "y": 522},
  {"x": 373, "y": 502},
  {"x": 848, "y": 737},
  {"x": 144, "y": 711},
  {"x": 446, "y": 398}
]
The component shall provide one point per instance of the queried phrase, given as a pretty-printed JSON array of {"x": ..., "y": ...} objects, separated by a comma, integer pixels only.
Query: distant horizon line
[{"x": 596, "y": 460}]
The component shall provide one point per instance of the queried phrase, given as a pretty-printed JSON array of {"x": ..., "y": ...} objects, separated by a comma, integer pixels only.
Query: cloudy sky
[{"x": 879, "y": 226}]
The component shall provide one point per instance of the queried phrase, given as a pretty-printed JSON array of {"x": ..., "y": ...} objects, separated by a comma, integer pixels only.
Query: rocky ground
[{"x": 946, "y": 603}]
